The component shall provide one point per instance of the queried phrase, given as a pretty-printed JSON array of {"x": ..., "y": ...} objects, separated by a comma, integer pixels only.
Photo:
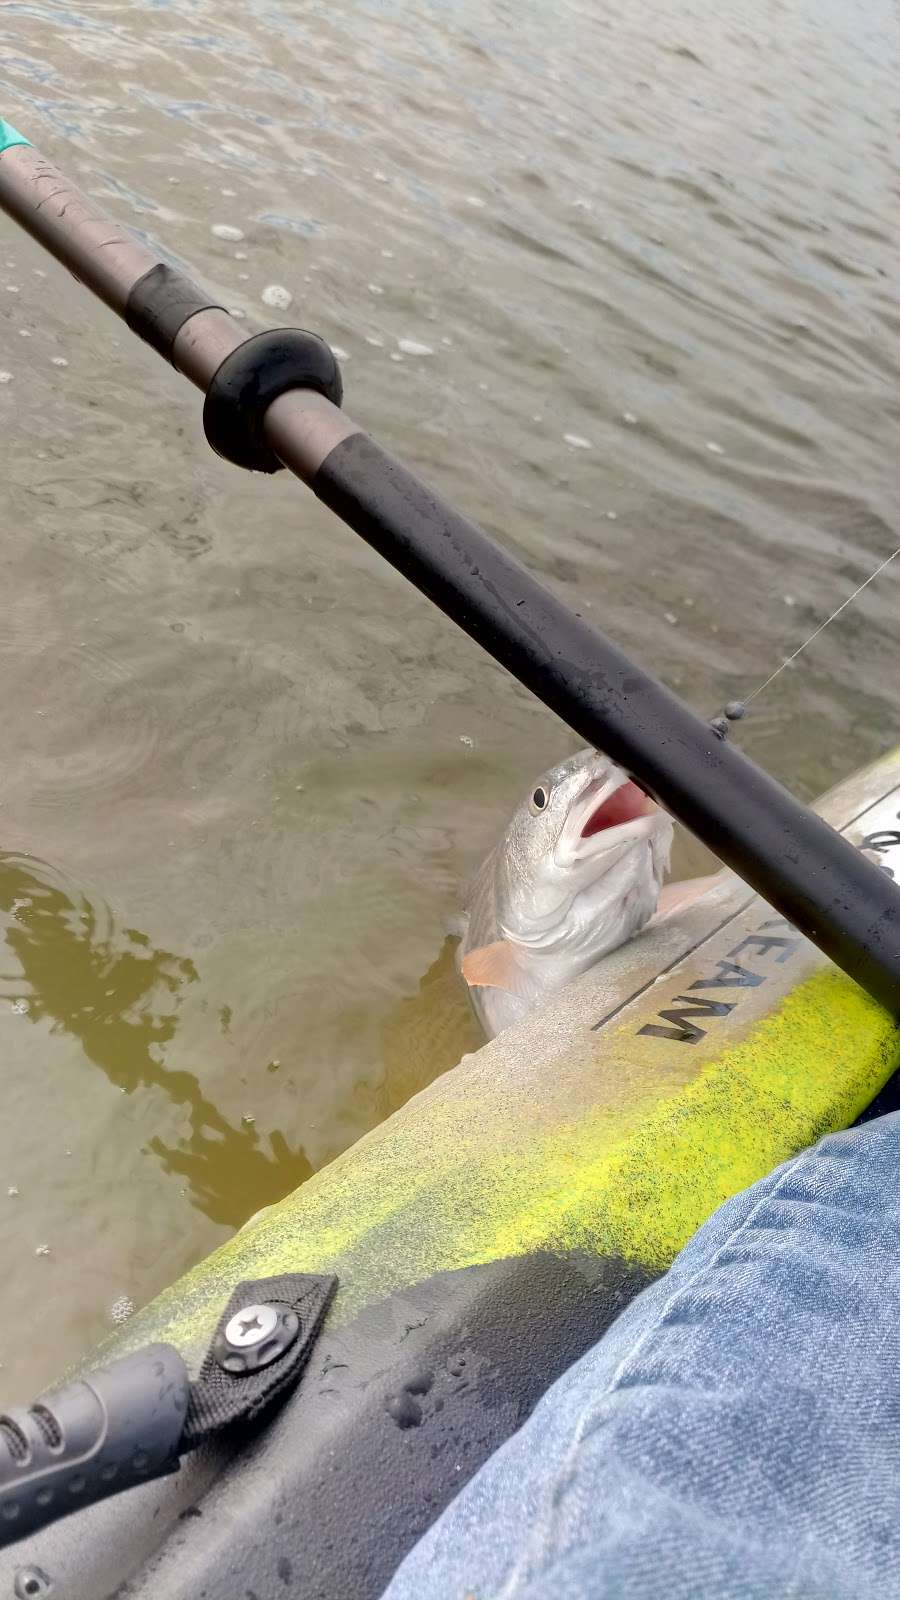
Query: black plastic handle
[{"x": 119, "y": 1426}]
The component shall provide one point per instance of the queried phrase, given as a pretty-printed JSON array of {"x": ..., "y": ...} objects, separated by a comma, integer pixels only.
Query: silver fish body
[{"x": 577, "y": 873}]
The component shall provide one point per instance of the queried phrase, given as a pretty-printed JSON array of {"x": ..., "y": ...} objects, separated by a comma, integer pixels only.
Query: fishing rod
[{"x": 273, "y": 400}]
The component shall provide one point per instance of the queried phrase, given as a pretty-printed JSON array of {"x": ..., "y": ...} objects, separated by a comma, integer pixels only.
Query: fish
[{"x": 577, "y": 872}]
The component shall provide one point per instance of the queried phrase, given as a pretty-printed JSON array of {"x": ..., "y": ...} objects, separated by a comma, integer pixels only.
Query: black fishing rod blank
[{"x": 273, "y": 399}]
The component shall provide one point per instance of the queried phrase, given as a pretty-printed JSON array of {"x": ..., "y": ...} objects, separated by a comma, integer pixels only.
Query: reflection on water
[
  {"x": 110, "y": 989},
  {"x": 426, "y": 1033}
]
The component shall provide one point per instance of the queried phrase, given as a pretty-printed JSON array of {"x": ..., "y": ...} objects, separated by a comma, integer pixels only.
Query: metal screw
[
  {"x": 251, "y": 1326},
  {"x": 30, "y": 1583},
  {"x": 255, "y": 1337}
]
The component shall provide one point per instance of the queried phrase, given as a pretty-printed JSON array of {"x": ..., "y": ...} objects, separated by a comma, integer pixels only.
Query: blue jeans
[{"x": 736, "y": 1434}]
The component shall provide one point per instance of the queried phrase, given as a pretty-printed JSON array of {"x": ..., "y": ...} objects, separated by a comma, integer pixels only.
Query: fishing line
[{"x": 736, "y": 709}]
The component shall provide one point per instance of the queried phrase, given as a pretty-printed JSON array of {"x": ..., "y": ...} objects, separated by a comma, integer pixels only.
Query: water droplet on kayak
[
  {"x": 420, "y": 1382},
  {"x": 404, "y": 1410}
]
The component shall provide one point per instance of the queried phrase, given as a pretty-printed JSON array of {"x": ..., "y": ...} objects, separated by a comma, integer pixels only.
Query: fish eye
[{"x": 539, "y": 799}]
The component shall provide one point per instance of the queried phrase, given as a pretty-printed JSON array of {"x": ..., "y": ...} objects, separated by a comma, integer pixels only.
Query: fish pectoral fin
[
  {"x": 492, "y": 966},
  {"x": 678, "y": 896}
]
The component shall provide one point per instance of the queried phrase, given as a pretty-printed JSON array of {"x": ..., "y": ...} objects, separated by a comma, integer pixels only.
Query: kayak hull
[{"x": 487, "y": 1234}]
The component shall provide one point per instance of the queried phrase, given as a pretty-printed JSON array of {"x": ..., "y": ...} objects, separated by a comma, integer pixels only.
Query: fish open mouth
[
  {"x": 608, "y": 815},
  {"x": 625, "y": 804}
]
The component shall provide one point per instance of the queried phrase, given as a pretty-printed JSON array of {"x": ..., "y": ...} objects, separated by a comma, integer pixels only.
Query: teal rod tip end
[{"x": 9, "y": 136}]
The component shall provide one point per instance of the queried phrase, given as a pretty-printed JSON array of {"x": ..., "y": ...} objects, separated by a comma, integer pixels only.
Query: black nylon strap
[
  {"x": 161, "y": 302},
  {"x": 219, "y": 1398}
]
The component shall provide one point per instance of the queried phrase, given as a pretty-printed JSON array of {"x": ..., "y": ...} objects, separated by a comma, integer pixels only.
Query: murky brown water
[{"x": 245, "y": 768}]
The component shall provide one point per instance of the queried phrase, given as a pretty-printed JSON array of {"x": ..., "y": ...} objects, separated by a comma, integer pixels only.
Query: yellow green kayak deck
[{"x": 487, "y": 1233}]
